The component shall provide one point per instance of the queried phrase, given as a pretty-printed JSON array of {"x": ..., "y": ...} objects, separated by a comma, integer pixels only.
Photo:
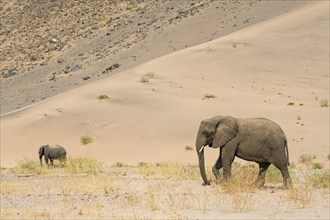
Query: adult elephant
[
  {"x": 252, "y": 139},
  {"x": 52, "y": 153}
]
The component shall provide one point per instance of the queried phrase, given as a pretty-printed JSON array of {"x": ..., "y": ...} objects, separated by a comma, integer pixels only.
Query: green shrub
[
  {"x": 317, "y": 166},
  {"x": 189, "y": 148},
  {"x": 146, "y": 77},
  {"x": 101, "y": 97},
  {"x": 274, "y": 174},
  {"x": 324, "y": 103},
  {"x": 208, "y": 96},
  {"x": 86, "y": 139}
]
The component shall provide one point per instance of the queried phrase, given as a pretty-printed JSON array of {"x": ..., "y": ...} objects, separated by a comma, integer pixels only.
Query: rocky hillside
[
  {"x": 34, "y": 31},
  {"x": 48, "y": 47}
]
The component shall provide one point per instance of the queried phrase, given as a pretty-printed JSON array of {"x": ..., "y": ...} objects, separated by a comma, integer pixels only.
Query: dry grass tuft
[
  {"x": 146, "y": 77},
  {"x": 319, "y": 179},
  {"x": 72, "y": 165},
  {"x": 208, "y": 96},
  {"x": 152, "y": 194},
  {"x": 242, "y": 179},
  {"x": 301, "y": 195},
  {"x": 29, "y": 166},
  {"x": 242, "y": 202},
  {"x": 176, "y": 170},
  {"x": 86, "y": 139}
]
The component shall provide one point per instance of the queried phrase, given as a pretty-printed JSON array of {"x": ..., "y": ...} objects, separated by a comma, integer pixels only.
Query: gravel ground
[{"x": 126, "y": 193}]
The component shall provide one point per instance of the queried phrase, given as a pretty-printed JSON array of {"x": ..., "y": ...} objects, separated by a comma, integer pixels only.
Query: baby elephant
[{"x": 51, "y": 153}]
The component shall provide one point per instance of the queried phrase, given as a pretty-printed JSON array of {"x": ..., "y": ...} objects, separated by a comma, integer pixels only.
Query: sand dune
[{"x": 254, "y": 72}]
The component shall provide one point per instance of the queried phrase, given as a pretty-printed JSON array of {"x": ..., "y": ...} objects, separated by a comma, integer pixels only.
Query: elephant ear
[
  {"x": 226, "y": 130},
  {"x": 42, "y": 149}
]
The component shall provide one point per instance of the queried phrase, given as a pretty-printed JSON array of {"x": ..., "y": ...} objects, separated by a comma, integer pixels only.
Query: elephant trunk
[
  {"x": 40, "y": 158},
  {"x": 200, "y": 153}
]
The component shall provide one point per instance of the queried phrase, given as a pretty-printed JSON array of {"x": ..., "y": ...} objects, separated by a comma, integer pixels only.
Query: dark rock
[
  {"x": 110, "y": 68},
  {"x": 52, "y": 77},
  {"x": 86, "y": 78}
]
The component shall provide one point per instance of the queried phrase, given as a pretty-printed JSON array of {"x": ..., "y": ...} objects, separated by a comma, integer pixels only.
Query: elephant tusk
[{"x": 201, "y": 149}]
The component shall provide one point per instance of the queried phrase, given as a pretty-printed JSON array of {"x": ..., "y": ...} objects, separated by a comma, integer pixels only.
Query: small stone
[
  {"x": 10, "y": 73},
  {"x": 75, "y": 67}
]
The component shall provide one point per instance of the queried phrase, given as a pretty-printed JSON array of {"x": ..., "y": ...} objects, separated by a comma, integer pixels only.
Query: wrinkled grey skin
[
  {"x": 52, "y": 153},
  {"x": 255, "y": 139}
]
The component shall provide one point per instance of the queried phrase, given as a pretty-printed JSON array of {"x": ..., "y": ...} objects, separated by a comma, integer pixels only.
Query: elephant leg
[
  {"x": 262, "y": 174},
  {"x": 287, "y": 183},
  {"x": 227, "y": 157},
  {"x": 216, "y": 167},
  {"x": 51, "y": 162}
]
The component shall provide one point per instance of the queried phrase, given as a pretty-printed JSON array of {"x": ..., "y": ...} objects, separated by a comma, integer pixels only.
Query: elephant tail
[{"x": 287, "y": 151}]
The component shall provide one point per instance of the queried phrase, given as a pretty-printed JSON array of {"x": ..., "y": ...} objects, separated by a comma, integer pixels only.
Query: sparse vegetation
[
  {"x": 83, "y": 165},
  {"x": 169, "y": 170},
  {"x": 29, "y": 166},
  {"x": 119, "y": 164},
  {"x": 306, "y": 159},
  {"x": 209, "y": 96},
  {"x": 154, "y": 187},
  {"x": 291, "y": 103},
  {"x": 301, "y": 196},
  {"x": 86, "y": 139},
  {"x": 132, "y": 6},
  {"x": 242, "y": 202},
  {"x": 141, "y": 164},
  {"x": 101, "y": 97},
  {"x": 324, "y": 103},
  {"x": 146, "y": 77},
  {"x": 319, "y": 179},
  {"x": 72, "y": 165},
  {"x": 316, "y": 166},
  {"x": 189, "y": 148},
  {"x": 274, "y": 175}
]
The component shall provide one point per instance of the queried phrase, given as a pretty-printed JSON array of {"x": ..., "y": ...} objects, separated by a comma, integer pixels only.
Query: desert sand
[
  {"x": 277, "y": 69},
  {"x": 255, "y": 72}
]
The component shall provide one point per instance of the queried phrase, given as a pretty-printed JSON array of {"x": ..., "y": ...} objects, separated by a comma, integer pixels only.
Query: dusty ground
[{"x": 145, "y": 192}]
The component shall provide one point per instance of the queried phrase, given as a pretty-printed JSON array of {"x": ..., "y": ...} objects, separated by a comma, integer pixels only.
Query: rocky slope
[{"x": 49, "y": 47}]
